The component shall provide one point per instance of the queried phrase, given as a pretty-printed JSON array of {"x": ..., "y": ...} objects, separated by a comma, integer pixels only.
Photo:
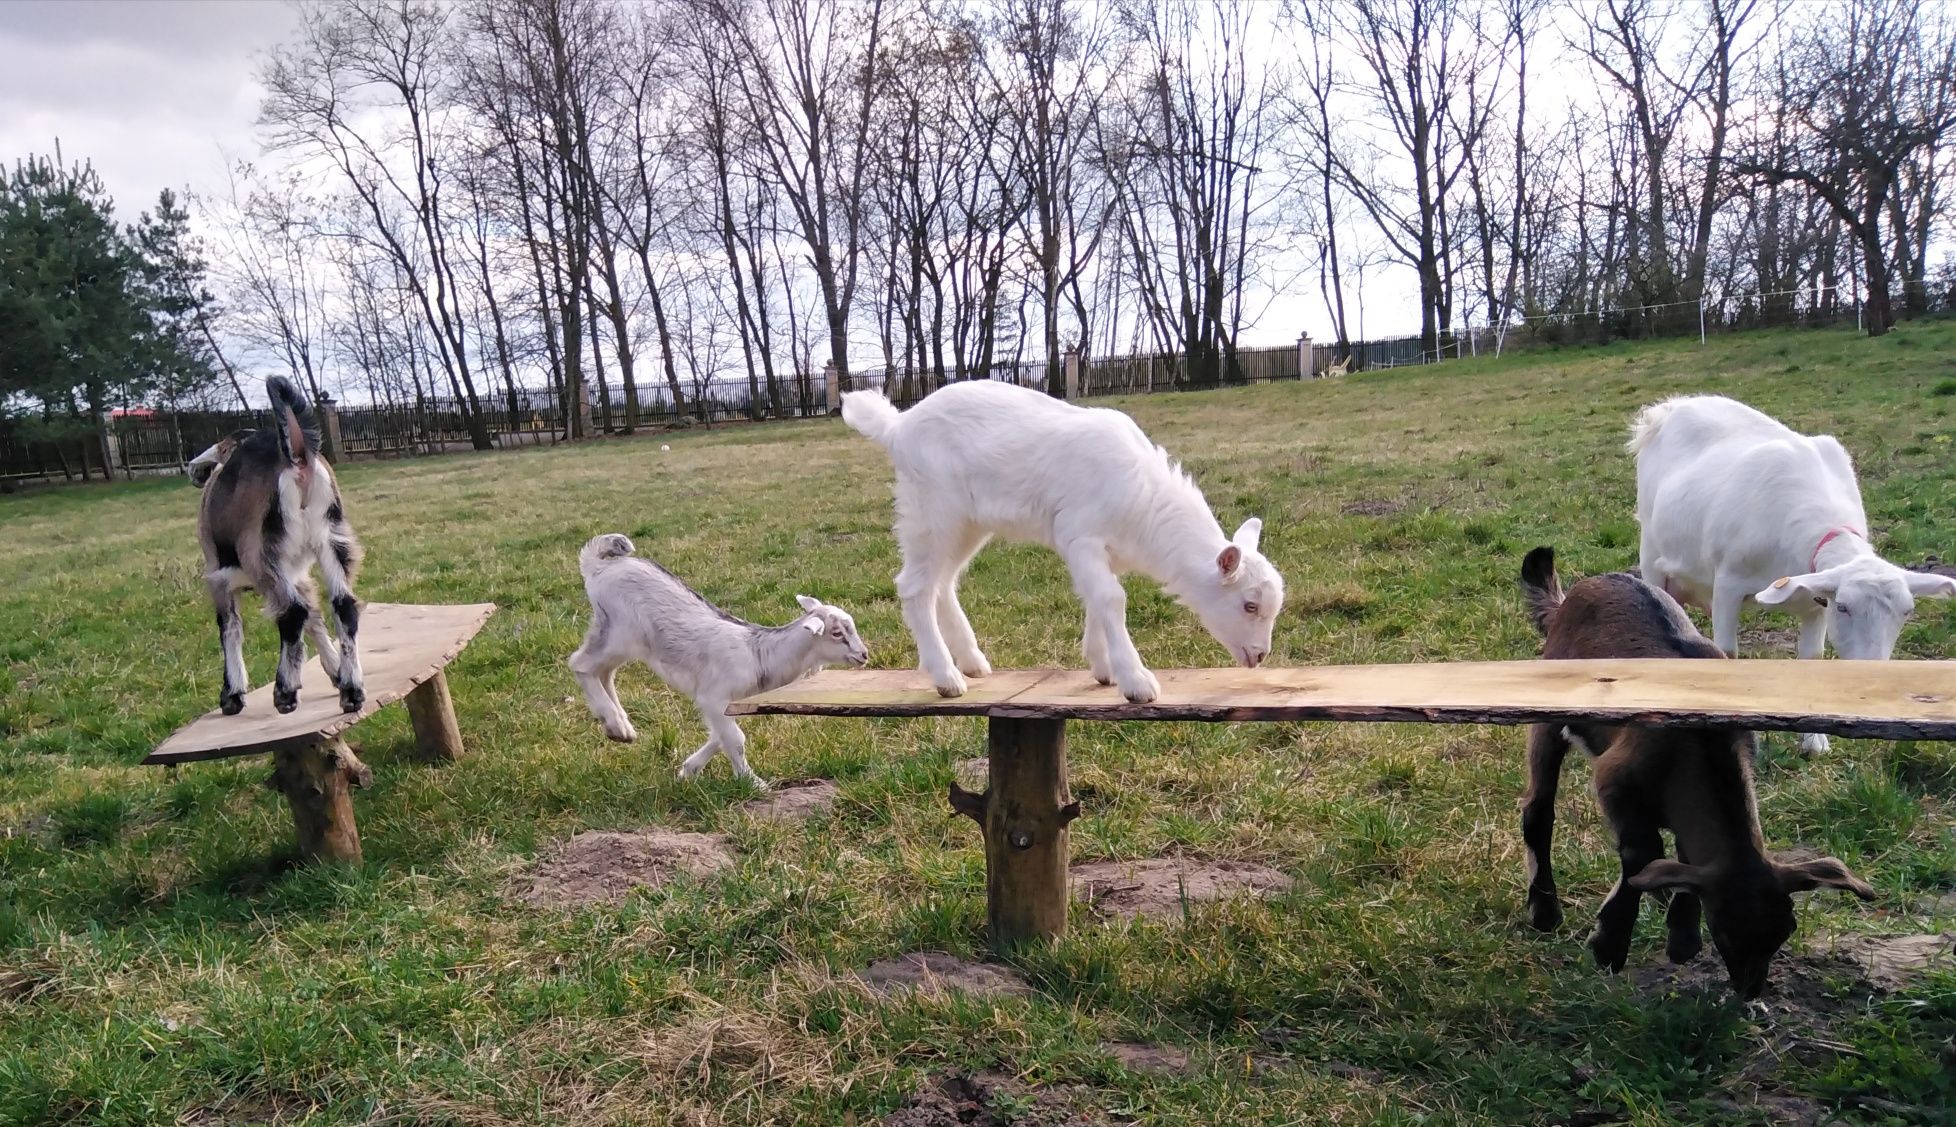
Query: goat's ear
[
  {"x": 808, "y": 604},
  {"x": 1249, "y": 534},
  {"x": 1230, "y": 561},
  {"x": 1928, "y": 585},
  {"x": 1805, "y": 876},
  {"x": 814, "y": 625},
  {"x": 1788, "y": 588},
  {"x": 1667, "y": 873}
]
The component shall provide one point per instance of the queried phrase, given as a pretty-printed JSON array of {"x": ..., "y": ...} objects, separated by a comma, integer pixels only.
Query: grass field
[{"x": 161, "y": 961}]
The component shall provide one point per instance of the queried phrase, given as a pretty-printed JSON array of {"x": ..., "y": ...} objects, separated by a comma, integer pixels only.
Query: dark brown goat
[
  {"x": 1695, "y": 782},
  {"x": 271, "y": 509}
]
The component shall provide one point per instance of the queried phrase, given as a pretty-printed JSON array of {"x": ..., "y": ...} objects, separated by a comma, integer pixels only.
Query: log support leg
[
  {"x": 317, "y": 781},
  {"x": 1024, "y": 814},
  {"x": 437, "y": 738}
]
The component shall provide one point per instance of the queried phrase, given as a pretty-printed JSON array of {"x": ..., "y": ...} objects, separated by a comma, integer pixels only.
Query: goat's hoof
[
  {"x": 231, "y": 703},
  {"x": 351, "y": 699},
  {"x": 976, "y": 667},
  {"x": 285, "y": 700},
  {"x": 624, "y": 735},
  {"x": 1682, "y": 949},
  {"x": 1544, "y": 914},
  {"x": 952, "y": 686},
  {"x": 1103, "y": 678},
  {"x": 1609, "y": 956},
  {"x": 1813, "y": 743},
  {"x": 1143, "y": 689},
  {"x": 688, "y": 770}
]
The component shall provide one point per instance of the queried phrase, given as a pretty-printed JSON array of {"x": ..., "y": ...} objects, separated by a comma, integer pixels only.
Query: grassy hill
[{"x": 160, "y": 961}]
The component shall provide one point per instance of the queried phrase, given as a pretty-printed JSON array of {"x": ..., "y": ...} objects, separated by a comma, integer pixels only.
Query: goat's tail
[
  {"x": 1541, "y": 587},
  {"x": 871, "y": 414},
  {"x": 297, "y": 427},
  {"x": 1644, "y": 427},
  {"x": 599, "y": 550}
]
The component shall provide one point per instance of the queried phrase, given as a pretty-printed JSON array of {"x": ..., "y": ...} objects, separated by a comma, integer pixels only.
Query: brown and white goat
[
  {"x": 271, "y": 509},
  {"x": 1695, "y": 782}
]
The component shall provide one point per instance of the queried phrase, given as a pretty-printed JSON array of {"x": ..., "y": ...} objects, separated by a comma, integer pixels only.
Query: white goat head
[
  {"x": 1867, "y": 598},
  {"x": 837, "y": 641},
  {"x": 1239, "y": 601}
]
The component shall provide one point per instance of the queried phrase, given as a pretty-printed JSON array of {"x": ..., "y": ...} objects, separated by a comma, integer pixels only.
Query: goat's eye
[{"x": 1250, "y": 609}]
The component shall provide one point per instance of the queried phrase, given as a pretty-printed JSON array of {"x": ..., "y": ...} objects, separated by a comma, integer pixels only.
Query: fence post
[
  {"x": 1305, "y": 360},
  {"x": 1072, "y": 362},
  {"x": 329, "y": 427},
  {"x": 111, "y": 451},
  {"x": 832, "y": 387},
  {"x": 1701, "y": 318}
]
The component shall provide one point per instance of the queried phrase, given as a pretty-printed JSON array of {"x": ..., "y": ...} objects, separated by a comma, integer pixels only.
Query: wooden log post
[
  {"x": 317, "y": 781},
  {"x": 1024, "y": 814},
  {"x": 437, "y": 737}
]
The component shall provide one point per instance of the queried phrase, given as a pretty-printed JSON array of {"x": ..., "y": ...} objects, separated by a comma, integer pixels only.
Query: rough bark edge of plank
[{"x": 338, "y": 725}]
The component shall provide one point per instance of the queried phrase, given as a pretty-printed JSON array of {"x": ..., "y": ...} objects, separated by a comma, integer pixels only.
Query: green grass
[{"x": 161, "y": 960}]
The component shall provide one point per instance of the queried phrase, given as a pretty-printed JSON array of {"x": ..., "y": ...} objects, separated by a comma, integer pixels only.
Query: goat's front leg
[
  {"x": 1637, "y": 846},
  {"x": 597, "y": 674},
  {"x": 728, "y": 739},
  {"x": 1093, "y": 644},
  {"x": 336, "y": 563},
  {"x": 291, "y": 615},
  {"x": 1683, "y": 938},
  {"x": 1813, "y": 644},
  {"x": 1105, "y": 601},
  {"x": 1728, "y": 598},
  {"x": 959, "y": 638},
  {"x": 1546, "y": 748},
  {"x": 230, "y": 638}
]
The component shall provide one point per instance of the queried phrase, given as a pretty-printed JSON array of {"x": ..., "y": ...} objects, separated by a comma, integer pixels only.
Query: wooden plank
[
  {"x": 401, "y": 645},
  {"x": 1868, "y": 699}
]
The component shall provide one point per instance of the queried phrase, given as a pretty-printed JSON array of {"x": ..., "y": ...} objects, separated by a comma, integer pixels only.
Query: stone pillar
[
  {"x": 329, "y": 427},
  {"x": 832, "y": 383},
  {"x": 1072, "y": 363},
  {"x": 1304, "y": 371}
]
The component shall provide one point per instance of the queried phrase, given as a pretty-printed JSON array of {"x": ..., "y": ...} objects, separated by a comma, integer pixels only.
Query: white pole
[{"x": 1701, "y": 319}]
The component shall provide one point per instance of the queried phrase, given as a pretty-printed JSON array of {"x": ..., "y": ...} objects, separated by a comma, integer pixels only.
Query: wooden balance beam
[
  {"x": 1025, "y": 810},
  {"x": 404, "y": 649}
]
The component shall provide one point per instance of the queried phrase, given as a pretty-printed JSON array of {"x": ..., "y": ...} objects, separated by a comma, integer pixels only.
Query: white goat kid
[
  {"x": 1735, "y": 506},
  {"x": 982, "y": 459},
  {"x": 642, "y": 612}
]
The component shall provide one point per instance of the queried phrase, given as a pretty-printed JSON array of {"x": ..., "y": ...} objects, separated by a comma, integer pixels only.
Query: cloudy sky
[
  {"x": 161, "y": 93},
  {"x": 155, "y": 93}
]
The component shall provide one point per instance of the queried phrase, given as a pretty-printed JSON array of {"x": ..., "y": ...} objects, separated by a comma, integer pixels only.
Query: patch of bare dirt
[
  {"x": 1891, "y": 962},
  {"x": 1777, "y": 1108},
  {"x": 1934, "y": 566},
  {"x": 1370, "y": 507},
  {"x": 993, "y": 1099},
  {"x": 794, "y": 801},
  {"x": 933, "y": 972},
  {"x": 604, "y": 866},
  {"x": 1139, "y": 1056},
  {"x": 1768, "y": 640},
  {"x": 231, "y": 1112},
  {"x": 1161, "y": 887}
]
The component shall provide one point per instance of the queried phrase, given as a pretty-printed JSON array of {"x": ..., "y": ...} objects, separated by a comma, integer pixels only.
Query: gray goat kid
[
  {"x": 642, "y": 612},
  {"x": 271, "y": 509}
]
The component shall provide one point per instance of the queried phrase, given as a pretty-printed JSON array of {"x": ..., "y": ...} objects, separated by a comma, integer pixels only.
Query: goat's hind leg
[
  {"x": 230, "y": 638},
  {"x": 337, "y": 564},
  {"x": 288, "y": 609},
  {"x": 959, "y": 638},
  {"x": 1547, "y": 746},
  {"x": 727, "y": 739},
  {"x": 919, "y": 585}
]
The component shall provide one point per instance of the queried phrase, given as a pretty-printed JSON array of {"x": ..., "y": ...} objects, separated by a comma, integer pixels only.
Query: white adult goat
[
  {"x": 981, "y": 458},
  {"x": 1736, "y": 506},
  {"x": 642, "y": 612}
]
